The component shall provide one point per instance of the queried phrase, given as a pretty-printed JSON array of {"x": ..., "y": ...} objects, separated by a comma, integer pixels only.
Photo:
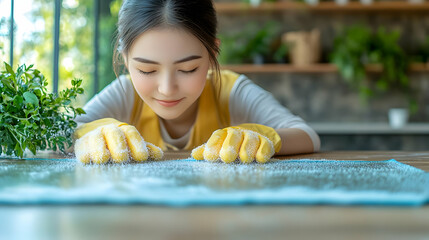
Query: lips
[{"x": 167, "y": 103}]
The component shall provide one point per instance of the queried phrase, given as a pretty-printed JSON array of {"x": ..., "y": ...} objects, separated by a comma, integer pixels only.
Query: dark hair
[{"x": 138, "y": 16}]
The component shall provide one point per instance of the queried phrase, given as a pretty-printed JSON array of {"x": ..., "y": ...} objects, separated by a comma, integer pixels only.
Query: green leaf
[
  {"x": 47, "y": 122},
  {"x": 18, "y": 150},
  {"x": 18, "y": 101},
  {"x": 6, "y": 98},
  {"x": 67, "y": 102},
  {"x": 10, "y": 70},
  {"x": 80, "y": 111},
  {"x": 8, "y": 83},
  {"x": 31, "y": 98},
  {"x": 32, "y": 148}
]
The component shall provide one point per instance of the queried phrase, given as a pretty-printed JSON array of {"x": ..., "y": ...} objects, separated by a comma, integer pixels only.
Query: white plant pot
[
  {"x": 416, "y": 1},
  {"x": 398, "y": 117},
  {"x": 255, "y": 3},
  {"x": 312, "y": 2},
  {"x": 366, "y": 2},
  {"x": 341, "y": 2}
]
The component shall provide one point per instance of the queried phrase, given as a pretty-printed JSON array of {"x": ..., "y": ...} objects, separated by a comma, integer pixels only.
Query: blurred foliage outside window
[
  {"x": 34, "y": 32},
  {"x": 4, "y": 29},
  {"x": 3, "y": 38}
]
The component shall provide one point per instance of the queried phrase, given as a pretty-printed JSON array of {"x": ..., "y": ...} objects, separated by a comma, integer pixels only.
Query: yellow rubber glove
[
  {"x": 247, "y": 142},
  {"x": 105, "y": 139}
]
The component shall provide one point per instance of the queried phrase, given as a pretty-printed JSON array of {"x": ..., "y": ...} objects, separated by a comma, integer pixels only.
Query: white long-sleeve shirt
[{"x": 248, "y": 103}]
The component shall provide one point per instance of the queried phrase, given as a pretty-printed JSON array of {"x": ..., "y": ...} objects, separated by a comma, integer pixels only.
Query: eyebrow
[{"x": 186, "y": 59}]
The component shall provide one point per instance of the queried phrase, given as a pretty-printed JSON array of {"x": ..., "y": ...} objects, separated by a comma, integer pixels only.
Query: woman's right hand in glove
[{"x": 117, "y": 141}]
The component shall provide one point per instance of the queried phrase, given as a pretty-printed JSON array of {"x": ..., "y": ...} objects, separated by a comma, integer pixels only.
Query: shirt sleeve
[
  {"x": 114, "y": 101},
  {"x": 249, "y": 103}
]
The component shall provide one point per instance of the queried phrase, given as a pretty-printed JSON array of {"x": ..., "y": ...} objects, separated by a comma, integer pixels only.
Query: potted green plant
[
  {"x": 350, "y": 55},
  {"x": 423, "y": 52},
  {"x": 254, "y": 44},
  {"x": 359, "y": 46},
  {"x": 259, "y": 42},
  {"x": 231, "y": 48},
  {"x": 281, "y": 51}
]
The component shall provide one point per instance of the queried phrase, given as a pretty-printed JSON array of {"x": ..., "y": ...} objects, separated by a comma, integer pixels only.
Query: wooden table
[{"x": 241, "y": 222}]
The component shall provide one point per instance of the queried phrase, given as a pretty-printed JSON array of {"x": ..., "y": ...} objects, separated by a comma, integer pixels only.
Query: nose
[{"x": 167, "y": 85}]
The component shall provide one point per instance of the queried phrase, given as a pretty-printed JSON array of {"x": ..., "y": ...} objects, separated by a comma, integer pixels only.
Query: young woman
[{"x": 175, "y": 96}]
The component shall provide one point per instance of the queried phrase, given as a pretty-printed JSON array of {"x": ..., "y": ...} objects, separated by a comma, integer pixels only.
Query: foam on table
[{"x": 189, "y": 182}]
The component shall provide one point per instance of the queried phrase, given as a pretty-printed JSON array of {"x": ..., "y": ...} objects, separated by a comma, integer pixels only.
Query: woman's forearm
[{"x": 294, "y": 141}]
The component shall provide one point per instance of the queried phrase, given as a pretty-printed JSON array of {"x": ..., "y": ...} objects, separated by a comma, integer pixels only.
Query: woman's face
[{"x": 168, "y": 68}]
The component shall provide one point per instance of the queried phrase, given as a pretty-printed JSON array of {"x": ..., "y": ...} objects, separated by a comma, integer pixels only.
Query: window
[{"x": 82, "y": 47}]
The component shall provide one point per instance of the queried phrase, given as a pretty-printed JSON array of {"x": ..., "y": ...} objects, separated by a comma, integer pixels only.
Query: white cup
[
  {"x": 255, "y": 3},
  {"x": 398, "y": 117},
  {"x": 342, "y": 2},
  {"x": 366, "y": 2},
  {"x": 312, "y": 2},
  {"x": 416, "y": 1}
]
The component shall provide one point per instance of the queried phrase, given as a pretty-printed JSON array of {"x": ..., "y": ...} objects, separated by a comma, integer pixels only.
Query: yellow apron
[{"x": 213, "y": 113}]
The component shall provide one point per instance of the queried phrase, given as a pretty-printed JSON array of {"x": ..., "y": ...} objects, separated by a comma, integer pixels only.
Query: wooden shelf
[
  {"x": 314, "y": 68},
  {"x": 280, "y": 68},
  {"x": 332, "y": 128},
  {"x": 403, "y": 6}
]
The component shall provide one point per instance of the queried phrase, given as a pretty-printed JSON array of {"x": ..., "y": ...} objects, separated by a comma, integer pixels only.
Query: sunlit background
[{"x": 33, "y": 41}]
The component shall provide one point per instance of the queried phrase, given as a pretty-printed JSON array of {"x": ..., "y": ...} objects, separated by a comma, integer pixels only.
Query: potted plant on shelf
[
  {"x": 357, "y": 48},
  {"x": 254, "y": 44},
  {"x": 350, "y": 55},
  {"x": 281, "y": 51},
  {"x": 422, "y": 55}
]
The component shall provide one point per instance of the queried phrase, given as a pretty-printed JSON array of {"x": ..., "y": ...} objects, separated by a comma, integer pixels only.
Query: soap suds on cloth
[{"x": 190, "y": 182}]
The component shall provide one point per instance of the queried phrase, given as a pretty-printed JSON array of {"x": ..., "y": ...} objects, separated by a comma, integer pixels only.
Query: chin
[{"x": 170, "y": 115}]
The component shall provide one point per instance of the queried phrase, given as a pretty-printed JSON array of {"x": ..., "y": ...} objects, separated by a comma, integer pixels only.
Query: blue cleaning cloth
[{"x": 188, "y": 182}]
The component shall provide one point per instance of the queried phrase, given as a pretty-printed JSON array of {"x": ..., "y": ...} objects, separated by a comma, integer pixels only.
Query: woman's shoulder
[
  {"x": 124, "y": 79},
  {"x": 123, "y": 82},
  {"x": 226, "y": 80},
  {"x": 229, "y": 75},
  {"x": 118, "y": 87}
]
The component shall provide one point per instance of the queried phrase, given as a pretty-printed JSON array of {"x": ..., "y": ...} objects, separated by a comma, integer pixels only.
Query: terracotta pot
[{"x": 305, "y": 47}]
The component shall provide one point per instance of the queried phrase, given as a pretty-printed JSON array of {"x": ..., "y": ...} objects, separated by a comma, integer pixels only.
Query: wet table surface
[{"x": 231, "y": 222}]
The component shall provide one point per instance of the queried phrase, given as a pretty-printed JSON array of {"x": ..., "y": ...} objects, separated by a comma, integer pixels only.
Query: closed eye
[
  {"x": 146, "y": 73},
  {"x": 190, "y": 71}
]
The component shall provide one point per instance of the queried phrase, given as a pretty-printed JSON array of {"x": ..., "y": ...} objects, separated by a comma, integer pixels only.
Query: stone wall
[{"x": 325, "y": 97}]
